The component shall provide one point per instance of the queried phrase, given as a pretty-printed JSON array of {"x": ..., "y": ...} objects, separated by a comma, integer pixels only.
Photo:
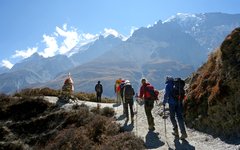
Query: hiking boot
[
  {"x": 151, "y": 128},
  {"x": 175, "y": 133},
  {"x": 183, "y": 136}
]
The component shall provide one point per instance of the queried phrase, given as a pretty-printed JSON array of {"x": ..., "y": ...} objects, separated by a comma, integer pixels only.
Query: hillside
[
  {"x": 35, "y": 123},
  {"x": 213, "y": 95}
]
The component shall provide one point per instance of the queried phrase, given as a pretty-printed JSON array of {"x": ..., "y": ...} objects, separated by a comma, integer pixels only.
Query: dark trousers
[
  {"x": 176, "y": 110},
  {"x": 148, "y": 106},
  {"x": 128, "y": 102},
  {"x": 99, "y": 97}
]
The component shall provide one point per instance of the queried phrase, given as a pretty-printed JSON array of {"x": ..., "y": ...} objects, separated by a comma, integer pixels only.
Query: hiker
[
  {"x": 128, "y": 93},
  {"x": 99, "y": 91},
  {"x": 121, "y": 86},
  {"x": 175, "y": 108},
  {"x": 68, "y": 87},
  {"x": 148, "y": 104},
  {"x": 117, "y": 90}
]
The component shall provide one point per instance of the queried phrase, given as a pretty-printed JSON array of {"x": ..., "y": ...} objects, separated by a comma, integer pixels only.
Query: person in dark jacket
[
  {"x": 175, "y": 108},
  {"x": 99, "y": 91},
  {"x": 148, "y": 104},
  {"x": 121, "y": 94},
  {"x": 128, "y": 93}
]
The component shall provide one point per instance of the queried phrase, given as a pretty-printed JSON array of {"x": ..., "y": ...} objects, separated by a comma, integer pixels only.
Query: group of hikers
[{"x": 174, "y": 96}]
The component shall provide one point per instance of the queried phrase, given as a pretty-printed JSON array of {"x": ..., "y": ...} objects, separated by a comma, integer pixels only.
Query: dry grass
[
  {"x": 33, "y": 123},
  {"x": 213, "y": 95}
]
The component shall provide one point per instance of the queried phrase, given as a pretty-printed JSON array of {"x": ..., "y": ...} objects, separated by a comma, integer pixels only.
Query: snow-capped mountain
[
  {"x": 175, "y": 47},
  {"x": 95, "y": 49},
  {"x": 209, "y": 29},
  {"x": 45, "y": 68}
]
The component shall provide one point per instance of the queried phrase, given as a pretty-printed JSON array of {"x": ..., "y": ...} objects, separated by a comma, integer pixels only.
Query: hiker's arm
[
  {"x": 141, "y": 92},
  {"x": 166, "y": 94}
]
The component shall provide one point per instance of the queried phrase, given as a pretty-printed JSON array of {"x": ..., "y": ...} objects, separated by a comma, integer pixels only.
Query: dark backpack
[
  {"x": 178, "y": 89},
  {"x": 152, "y": 92},
  {"x": 128, "y": 92},
  {"x": 99, "y": 88}
]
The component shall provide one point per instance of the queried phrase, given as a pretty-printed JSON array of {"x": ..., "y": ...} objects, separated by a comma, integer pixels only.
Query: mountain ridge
[{"x": 163, "y": 41}]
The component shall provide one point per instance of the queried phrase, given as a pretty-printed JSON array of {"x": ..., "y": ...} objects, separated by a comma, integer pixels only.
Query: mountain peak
[
  {"x": 112, "y": 33},
  {"x": 35, "y": 56},
  {"x": 183, "y": 17}
]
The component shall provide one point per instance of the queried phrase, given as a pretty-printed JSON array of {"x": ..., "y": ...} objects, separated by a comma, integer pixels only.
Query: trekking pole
[
  {"x": 165, "y": 126},
  {"x": 136, "y": 115}
]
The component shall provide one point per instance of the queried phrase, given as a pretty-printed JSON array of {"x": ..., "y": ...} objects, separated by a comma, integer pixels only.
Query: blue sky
[{"x": 52, "y": 27}]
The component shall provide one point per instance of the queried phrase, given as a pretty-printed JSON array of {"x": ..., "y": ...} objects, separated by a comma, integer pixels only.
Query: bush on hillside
[
  {"x": 213, "y": 96},
  {"x": 38, "y": 92},
  {"x": 106, "y": 111},
  {"x": 36, "y": 124}
]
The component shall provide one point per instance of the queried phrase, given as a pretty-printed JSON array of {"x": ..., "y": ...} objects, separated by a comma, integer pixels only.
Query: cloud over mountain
[
  {"x": 25, "y": 53},
  {"x": 176, "y": 47},
  {"x": 7, "y": 64}
]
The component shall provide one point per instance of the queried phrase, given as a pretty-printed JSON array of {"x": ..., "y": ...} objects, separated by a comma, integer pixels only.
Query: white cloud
[
  {"x": 64, "y": 40},
  {"x": 25, "y": 53},
  {"x": 7, "y": 64},
  {"x": 110, "y": 32},
  {"x": 51, "y": 46},
  {"x": 65, "y": 26},
  {"x": 86, "y": 38},
  {"x": 71, "y": 39}
]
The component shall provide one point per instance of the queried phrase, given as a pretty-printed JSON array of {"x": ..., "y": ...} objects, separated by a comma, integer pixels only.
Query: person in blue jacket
[{"x": 175, "y": 108}]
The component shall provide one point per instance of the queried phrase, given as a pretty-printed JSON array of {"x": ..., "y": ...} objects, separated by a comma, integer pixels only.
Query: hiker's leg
[
  {"x": 172, "y": 110},
  {"x": 147, "y": 112},
  {"x": 118, "y": 98},
  {"x": 179, "y": 112},
  {"x": 96, "y": 97},
  {"x": 131, "y": 108},
  {"x": 125, "y": 107},
  {"x": 124, "y": 110},
  {"x": 100, "y": 95},
  {"x": 149, "y": 116}
]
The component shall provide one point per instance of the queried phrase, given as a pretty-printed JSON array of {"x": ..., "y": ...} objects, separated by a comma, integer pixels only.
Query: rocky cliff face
[{"x": 213, "y": 103}]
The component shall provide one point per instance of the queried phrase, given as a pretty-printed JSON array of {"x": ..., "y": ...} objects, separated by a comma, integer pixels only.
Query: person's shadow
[
  {"x": 152, "y": 140},
  {"x": 121, "y": 117},
  {"x": 184, "y": 145},
  {"x": 126, "y": 127}
]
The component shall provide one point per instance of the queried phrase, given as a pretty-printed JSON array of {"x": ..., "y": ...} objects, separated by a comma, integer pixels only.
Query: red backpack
[{"x": 151, "y": 93}]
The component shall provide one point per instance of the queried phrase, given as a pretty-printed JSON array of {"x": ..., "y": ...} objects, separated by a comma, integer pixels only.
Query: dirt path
[{"x": 157, "y": 139}]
